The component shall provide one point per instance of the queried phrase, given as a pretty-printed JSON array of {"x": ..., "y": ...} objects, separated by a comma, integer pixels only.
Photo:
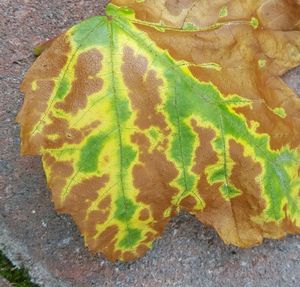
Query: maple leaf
[{"x": 138, "y": 117}]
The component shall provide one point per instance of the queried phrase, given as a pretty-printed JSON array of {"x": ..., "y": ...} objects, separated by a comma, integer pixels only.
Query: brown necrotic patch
[
  {"x": 98, "y": 216},
  {"x": 78, "y": 202},
  {"x": 86, "y": 82},
  {"x": 282, "y": 131},
  {"x": 57, "y": 177},
  {"x": 38, "y": 86},
  {"x": 188, "y": 203},
  {"x": 128, "y": 256},
  {"x": 105, "y": 203},
  {"x": 106, "y": 243},
  {"x": 143, "y": 85},
  {"x": 152, "y": 177},
  {"x": 141, "y": 250},
  {"x": 245, "y": 176},
  {"x": 144, "y": 214},
  {"x": 64, "y": 134},
  {"x": 175, "y": 7},
  {"x": 205, "y": 156},
  {"x": 231, "y": 218},
  {"x": 80, "y": 197}
]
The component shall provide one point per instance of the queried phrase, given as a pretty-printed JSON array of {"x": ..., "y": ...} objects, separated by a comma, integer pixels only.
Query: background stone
[
  {"x": 49, "y": 245},
  {"x": 4, "y": 283}
]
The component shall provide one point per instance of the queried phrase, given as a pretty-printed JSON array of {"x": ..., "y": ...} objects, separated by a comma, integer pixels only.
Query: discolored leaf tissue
[{"x": 164, "y": 105}]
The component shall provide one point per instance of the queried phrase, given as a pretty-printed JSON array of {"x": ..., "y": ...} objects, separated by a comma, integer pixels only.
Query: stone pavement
[
  {"x": 49, "y": 245},
  {"x": 4, "y": 282}
]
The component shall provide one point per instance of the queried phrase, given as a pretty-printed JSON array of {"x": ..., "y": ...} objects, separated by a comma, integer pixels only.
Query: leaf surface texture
[{"x": 137, "y": 116}]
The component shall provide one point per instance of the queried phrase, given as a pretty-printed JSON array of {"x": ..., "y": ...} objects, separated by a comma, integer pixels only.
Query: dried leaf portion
[
  {"x": 242, "y": 47},
  {"x": 136, "y": 121},
  {"x": 273, "y": 14}
]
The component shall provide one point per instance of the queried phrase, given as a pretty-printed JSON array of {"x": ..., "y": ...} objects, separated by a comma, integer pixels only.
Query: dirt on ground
[{"x": 49, "y": 245}]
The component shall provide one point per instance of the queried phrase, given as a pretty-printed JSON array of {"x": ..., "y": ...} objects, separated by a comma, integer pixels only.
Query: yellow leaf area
[{"x": 138, "y": 117}]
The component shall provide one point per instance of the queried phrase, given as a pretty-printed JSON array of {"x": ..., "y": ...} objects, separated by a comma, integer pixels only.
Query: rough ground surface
[
  {"x": 4, "y": 283},
  {"x": 49, "y": 245}
]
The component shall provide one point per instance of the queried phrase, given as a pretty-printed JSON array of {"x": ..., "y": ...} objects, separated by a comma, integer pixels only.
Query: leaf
[
  {"x": 251, "y": 47},
  {"x": 137, "y": 118}
]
